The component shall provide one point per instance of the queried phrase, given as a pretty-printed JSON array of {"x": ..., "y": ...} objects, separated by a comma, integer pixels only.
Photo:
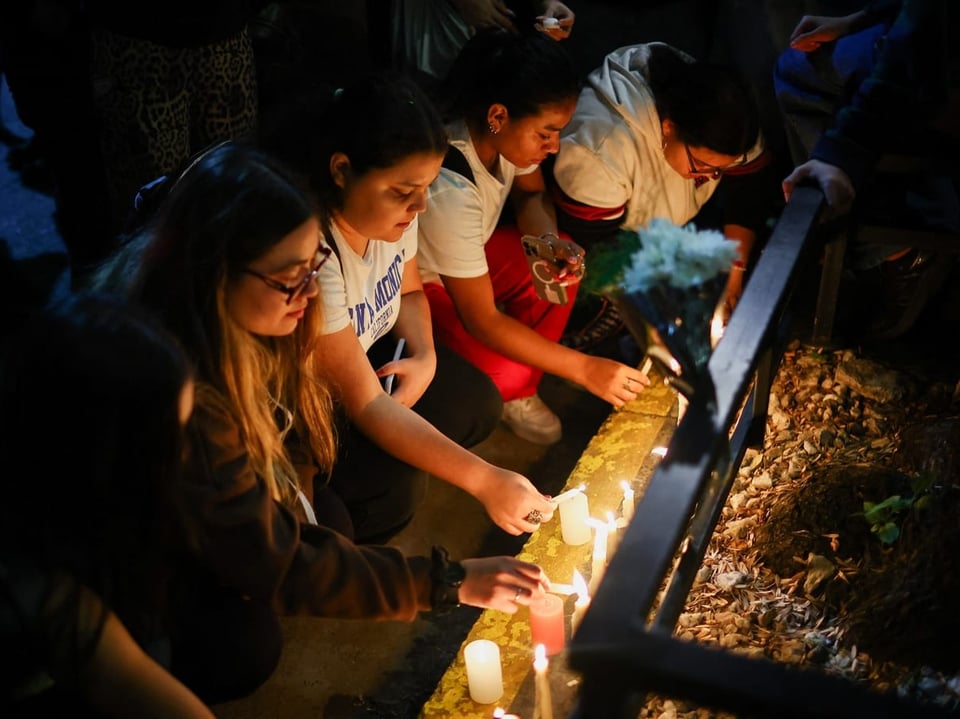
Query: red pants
[{"x": 514, "y": 294}]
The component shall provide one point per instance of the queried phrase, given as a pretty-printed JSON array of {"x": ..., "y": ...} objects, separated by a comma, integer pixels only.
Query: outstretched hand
[
  {"x": 613, "y": 381},
  {"x": 502, "y": 583},
  {"x": 509, "y": 499},
  {"x": 834, "y": 182},
  {"x": 815, "y": 30},
  {"x": 556, "y": 20}
]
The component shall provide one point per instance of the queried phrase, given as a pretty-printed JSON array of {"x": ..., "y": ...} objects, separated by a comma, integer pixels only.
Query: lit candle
[
  {"x": 543, "y": 709},
  {"x": 626, "y": 509},
  {"x": 717, "y": 325},
  {"x": 573, "y": 515},
  {"x": 599, "y": 565},
  {"x": 484, "y": 675},
  {"x": 546, "y": 623},
  {"x": 583, "y": 601},
  {"x": 613, "y": 536}
]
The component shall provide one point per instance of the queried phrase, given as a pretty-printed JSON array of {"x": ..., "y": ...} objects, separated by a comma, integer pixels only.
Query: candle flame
[
  {"x": 540, "y": 661},
  {"x": 717, "y": 326},
  {"x": 580, "y": 587}
]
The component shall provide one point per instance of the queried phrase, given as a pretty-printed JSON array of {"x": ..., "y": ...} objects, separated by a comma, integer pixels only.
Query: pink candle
[{"x": 546, "y": 623}]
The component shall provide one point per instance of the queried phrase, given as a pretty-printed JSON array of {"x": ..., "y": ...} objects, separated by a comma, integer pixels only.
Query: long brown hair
[{"x": 229, "y": 208}]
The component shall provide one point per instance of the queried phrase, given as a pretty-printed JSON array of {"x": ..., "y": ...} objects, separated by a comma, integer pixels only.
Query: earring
[
  {"x": 493, "y": 130},
  {"x": 663, "y": 145}
]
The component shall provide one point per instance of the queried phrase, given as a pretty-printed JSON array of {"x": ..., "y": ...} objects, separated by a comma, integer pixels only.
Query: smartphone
[
  {"x": 390, "y": 378},
  {"x": 543, "y": 261}
]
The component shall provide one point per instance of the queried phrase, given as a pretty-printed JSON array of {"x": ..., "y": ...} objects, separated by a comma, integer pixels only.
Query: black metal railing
[{"x": 624, "y": 647}]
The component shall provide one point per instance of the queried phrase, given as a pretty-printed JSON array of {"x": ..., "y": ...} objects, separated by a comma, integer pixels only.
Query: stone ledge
[{"x": 621, "y": 450}]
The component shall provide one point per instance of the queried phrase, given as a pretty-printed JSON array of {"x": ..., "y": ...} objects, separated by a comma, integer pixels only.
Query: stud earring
[
  {"x": 493, "y": 130},
  {"x": 663, "y": 145}
]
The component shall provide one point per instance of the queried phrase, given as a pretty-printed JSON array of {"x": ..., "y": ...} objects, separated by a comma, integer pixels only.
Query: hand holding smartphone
[
  {"x": 545, "y": 264},
  {"x": 389, "y": 379}
]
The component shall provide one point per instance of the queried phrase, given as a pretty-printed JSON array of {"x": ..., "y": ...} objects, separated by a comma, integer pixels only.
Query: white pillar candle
[
  {"x": 543, "y": 708},
  {"x": 484, "y": 675},
  {"x": 573, "y": 519}
]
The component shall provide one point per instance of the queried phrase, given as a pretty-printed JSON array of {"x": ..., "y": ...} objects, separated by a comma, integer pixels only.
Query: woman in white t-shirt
[
  {"x": 371, "y": 153},
  {"x": 509, "y": 97},
  {"x": 654, "y": 134}
]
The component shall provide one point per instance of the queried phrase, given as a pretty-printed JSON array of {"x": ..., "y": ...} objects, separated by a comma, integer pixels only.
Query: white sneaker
[{"x": 532, "y": 420}]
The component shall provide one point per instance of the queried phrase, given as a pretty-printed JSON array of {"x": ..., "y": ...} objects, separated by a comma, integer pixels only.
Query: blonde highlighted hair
[{"x": 230, "y": 207}]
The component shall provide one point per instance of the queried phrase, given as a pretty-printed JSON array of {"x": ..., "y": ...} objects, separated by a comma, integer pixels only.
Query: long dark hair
[
  {"x": 710, "y": 105},
  {"x": 89, "y": 409},
  {"x": 377, "y": 121},
  {"x": 522, "y": 72},
  {"x": 231, "y": 206}
]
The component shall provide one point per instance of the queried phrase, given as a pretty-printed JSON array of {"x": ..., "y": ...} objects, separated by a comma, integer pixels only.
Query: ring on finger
[
  {"x": 534, "y": 516},
  {"x": 516, "y": 598}
]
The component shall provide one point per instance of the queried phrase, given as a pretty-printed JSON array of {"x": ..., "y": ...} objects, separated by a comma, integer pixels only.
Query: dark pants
[
  {"x": 224, "y": 646},
  {"x": 382, "y": 493}
]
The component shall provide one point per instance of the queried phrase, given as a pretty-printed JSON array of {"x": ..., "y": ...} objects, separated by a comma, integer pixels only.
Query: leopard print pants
[{"x": 158, "y": 106}]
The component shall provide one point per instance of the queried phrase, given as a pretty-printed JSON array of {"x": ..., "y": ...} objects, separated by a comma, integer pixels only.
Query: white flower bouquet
[{"x": 667, "y": 281}]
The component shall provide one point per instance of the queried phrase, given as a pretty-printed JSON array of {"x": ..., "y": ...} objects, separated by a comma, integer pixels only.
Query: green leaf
[
  {"x": 888, "y": 532},
  {"x": 607, "y": 261}
]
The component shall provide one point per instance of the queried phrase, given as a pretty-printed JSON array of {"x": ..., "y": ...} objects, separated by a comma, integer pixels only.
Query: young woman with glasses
[
  {"x": 371, "y": 151},
  {"x": 653, "y": 135},
  {"x": 229, "y": 264}
]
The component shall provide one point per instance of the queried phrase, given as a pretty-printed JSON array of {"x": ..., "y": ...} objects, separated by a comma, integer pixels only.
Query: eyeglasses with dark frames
[
  {"x": 298, "y": 289},
  {"x": 698, "y": 167}
]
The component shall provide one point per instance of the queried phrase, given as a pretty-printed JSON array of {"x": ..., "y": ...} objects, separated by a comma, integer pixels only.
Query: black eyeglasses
[
  {"x": 698, "y": 167},
  {"x": 298, "y": 289}
]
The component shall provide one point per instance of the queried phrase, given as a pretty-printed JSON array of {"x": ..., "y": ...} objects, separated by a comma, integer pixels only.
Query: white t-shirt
[
  {"x": 461, "y": 215},
  {"x": 365, "y": 291},
  {"x": 611, "y": 151}
]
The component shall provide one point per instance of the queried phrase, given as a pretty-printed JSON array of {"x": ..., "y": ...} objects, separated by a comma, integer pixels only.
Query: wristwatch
[{"x": 447, "y": 576}]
